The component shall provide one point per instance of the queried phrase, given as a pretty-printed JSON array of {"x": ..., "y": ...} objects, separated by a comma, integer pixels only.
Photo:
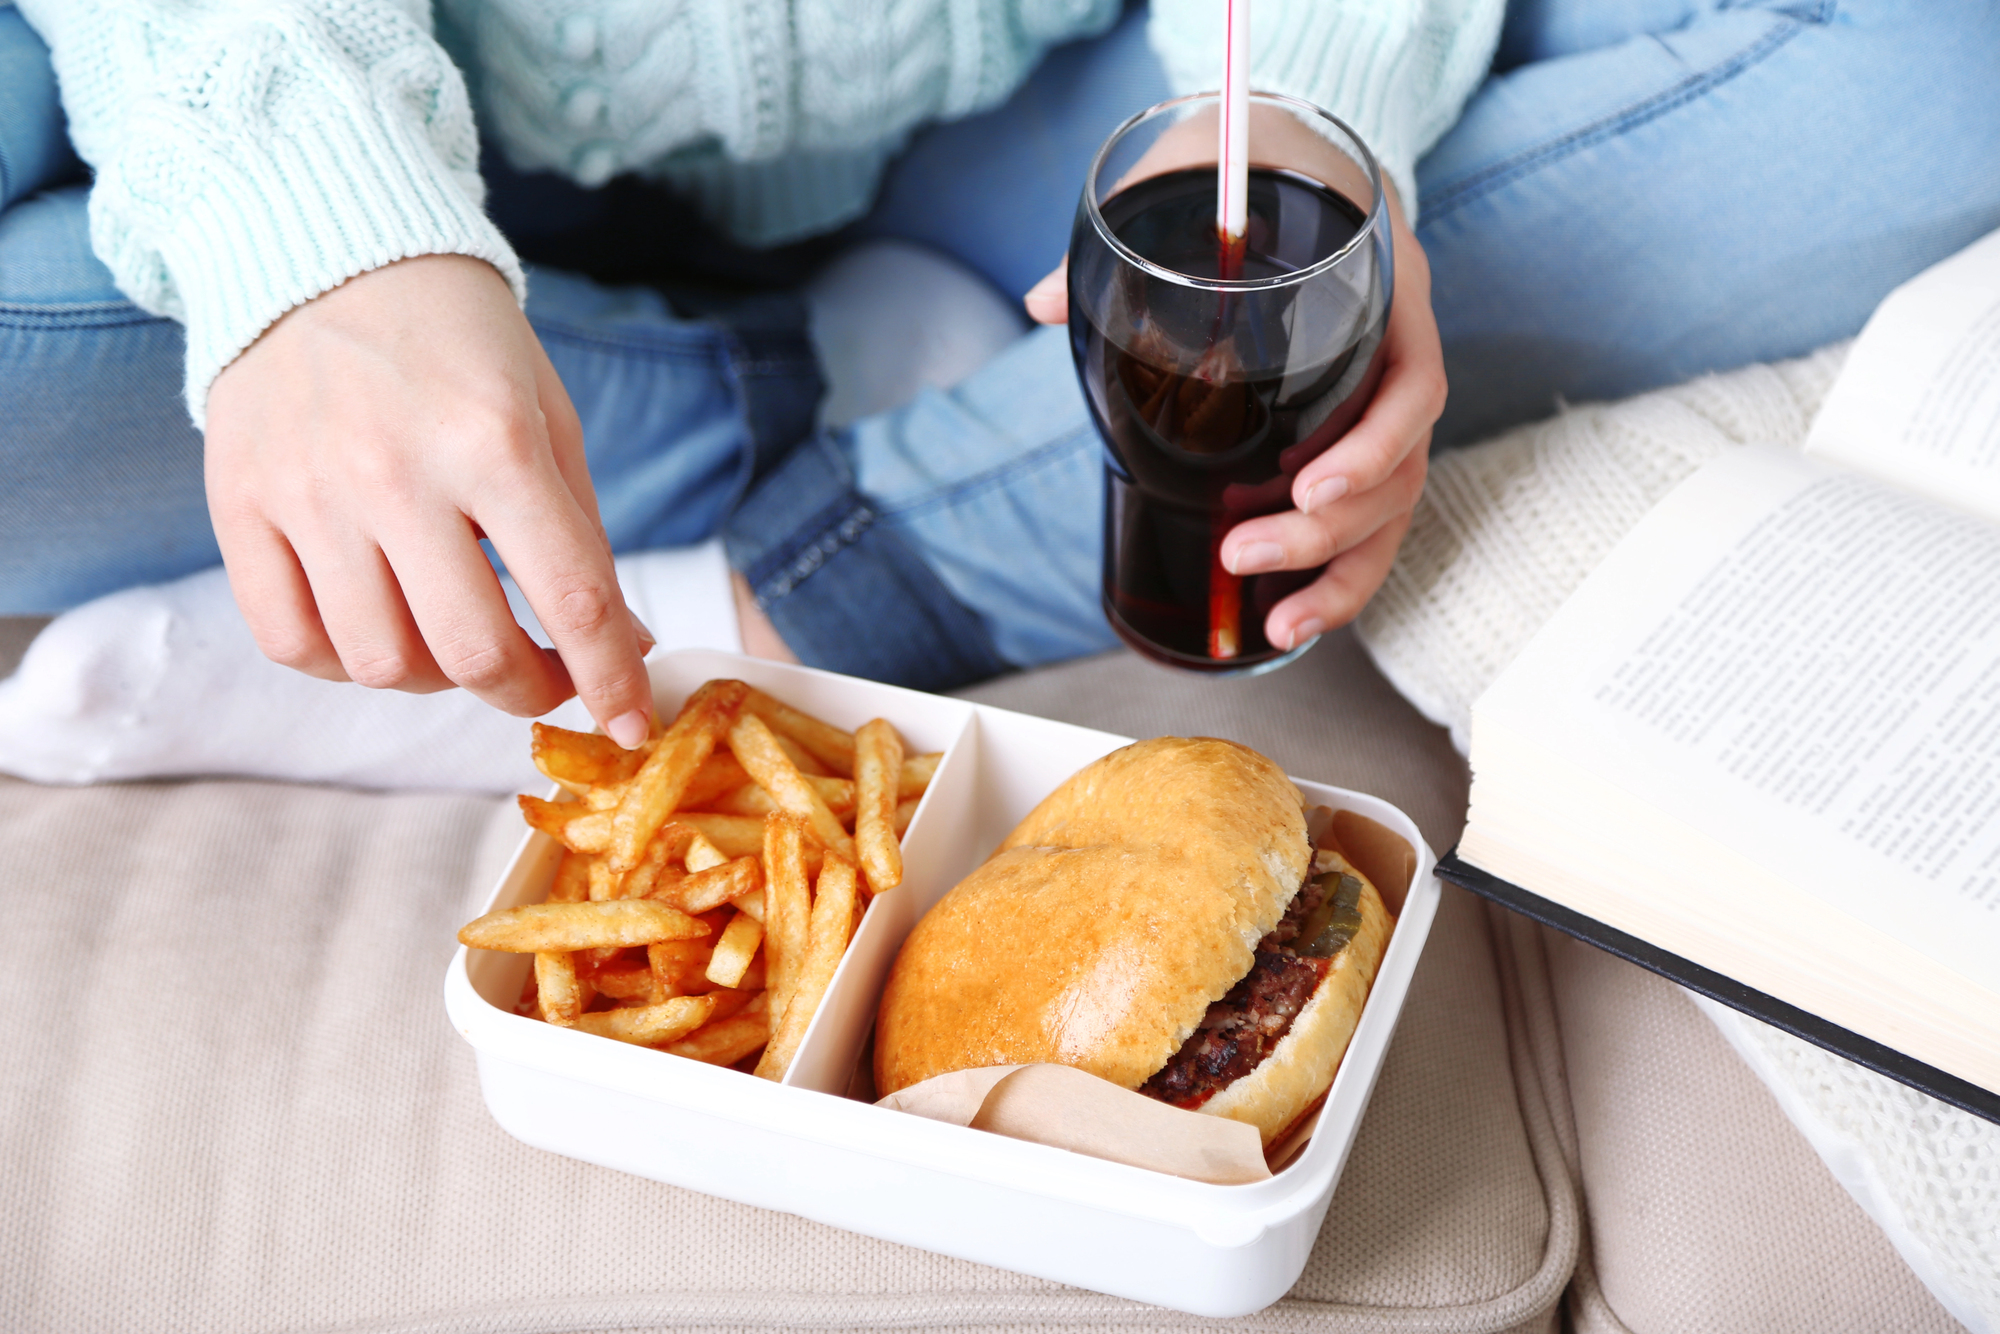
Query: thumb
[{"x": 1048, "y": 300}]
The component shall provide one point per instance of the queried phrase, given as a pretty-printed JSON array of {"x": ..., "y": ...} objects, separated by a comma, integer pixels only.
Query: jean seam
[
  {"x": 989, "y": 480},
  {"x": 834, "y": 535},
  {"x": 75, "y": 315},
  {"x": 1482, "y": 183}
]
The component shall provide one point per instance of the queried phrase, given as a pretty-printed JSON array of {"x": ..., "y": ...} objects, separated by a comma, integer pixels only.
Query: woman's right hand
[{"x": 356, "y": 454}]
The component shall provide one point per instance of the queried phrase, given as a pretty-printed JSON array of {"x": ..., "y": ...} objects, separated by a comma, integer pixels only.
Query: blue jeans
[{"x": 1641, "y": 192}]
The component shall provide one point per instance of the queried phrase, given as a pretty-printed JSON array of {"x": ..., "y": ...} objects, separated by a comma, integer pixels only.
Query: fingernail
[
  {"x": 1305, "y": 630},
  {"x": 629, "y": 729},
  {"x": 1324, "y": 493},
  {"x": 1257, "y": 557}
]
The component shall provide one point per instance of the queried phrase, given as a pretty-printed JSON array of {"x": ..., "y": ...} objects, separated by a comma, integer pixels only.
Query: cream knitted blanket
[{"x": 1505, "y": 532}]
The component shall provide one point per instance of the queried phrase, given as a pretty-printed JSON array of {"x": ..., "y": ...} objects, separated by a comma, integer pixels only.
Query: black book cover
[{"x": 1799, "y": 1023}]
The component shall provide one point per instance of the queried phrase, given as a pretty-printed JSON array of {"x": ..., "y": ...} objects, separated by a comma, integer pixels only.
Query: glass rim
[{"x": 1362, "y": 234}]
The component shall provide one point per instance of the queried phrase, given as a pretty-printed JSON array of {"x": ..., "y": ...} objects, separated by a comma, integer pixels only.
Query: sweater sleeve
[
  {"x": 1398, "y": 71},
  {"x": 252, "y": 154}
]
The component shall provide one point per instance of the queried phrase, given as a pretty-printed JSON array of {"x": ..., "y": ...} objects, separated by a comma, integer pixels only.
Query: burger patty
[{"x": 1241, "y": 1029}]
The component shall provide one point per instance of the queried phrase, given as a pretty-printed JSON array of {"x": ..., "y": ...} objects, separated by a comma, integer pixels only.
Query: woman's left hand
[{"x": 1354, "y": 501}]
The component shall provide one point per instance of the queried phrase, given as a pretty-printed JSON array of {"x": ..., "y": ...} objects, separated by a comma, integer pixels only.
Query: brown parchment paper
[{"x": 1072, "y": 1109}]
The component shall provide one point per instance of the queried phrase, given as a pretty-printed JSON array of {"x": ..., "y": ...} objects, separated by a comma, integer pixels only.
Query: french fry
[
  {"x": 572, "y": 882},
  {"x": 832, "y": 921},
  {"x": 751, "y": 799},
  {"x": 905, "y": 812},
  {"x": 657, "y": 788},
  {"x": 734, "y": 951},
  {"x": 707, "y": 890},
  {"x": 752, "y": 905},
  {"x": 605, "y": 883},
  {"x": 725, "y": 1042},
  {"x": 916, "y": 775},
  {"x": 561, "y": 996},
  {"x": 535, "y": 927},
  {"x": 802, "y": 759},
  {"x": 580, "y": 760},
  {"x": 719, "y": 773},
  {"x": 667, "y": 846},
  {"x": 702, "y": 854},
  {"x": 649, "y": 1025},
  {"x": 787, "y": 905},
  {"x": 574, "y": 823},
  {"x": 733, "y": 835},
  {"x": 752, "y": 743},
  {"x": 878, "y": 764},
  {"x": 823, "y": 741},
  {"x": 627, "y": 982},
  {"x": 677, "y": 964}
]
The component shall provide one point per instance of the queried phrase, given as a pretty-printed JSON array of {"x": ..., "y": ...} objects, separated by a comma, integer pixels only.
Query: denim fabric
[
  {"x": 1644, "y": 190},
  {"x": 1003, "y": 522},
  {"x": 1640, "y": 205}
]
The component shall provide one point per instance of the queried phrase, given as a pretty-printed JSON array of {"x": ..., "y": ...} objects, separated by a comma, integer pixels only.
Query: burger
[{"x": 1169, "y": 919}]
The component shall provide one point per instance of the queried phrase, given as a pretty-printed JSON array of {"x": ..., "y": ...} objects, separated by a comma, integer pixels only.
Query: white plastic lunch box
[{"x": 805, "y": 1148}]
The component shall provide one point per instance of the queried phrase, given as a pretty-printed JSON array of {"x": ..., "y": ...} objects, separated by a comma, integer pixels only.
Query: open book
[{"x": 1759, "y": 749}]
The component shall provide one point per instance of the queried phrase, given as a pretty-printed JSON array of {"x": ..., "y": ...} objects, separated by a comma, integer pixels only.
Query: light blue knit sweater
[{"x": 252, "y": 154}]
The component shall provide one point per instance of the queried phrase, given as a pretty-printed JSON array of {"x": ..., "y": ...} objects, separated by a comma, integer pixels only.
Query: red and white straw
[{"x": 1232, "y": 157}]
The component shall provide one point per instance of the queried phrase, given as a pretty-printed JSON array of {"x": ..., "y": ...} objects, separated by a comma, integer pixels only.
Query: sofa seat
[{"x": 231, "y": 1100}]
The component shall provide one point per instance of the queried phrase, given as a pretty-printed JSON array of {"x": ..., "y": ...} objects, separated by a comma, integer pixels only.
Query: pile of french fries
[{"x": 711, "y": 880}]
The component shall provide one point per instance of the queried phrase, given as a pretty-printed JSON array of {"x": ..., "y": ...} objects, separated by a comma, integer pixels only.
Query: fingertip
[{"x": 630, "y": 729}]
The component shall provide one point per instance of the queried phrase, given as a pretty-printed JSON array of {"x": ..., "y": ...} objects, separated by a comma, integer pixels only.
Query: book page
[
  {"x": 1918, "y": 402},
  {"x": 1805, "y": 666}
]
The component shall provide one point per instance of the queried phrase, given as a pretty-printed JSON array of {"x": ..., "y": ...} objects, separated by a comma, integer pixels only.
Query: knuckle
[
  {"x": 378, "y": 669},
  {"x": 480, "y": 667},
  {"x": 292, "y": 647},
  {"x": 581, "y": 608}
]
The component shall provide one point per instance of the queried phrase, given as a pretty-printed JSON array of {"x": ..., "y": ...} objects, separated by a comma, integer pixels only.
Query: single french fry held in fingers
[
  {"x": 615, "y": 924},
  {"x": 582, "y": 759},
  {"x": 555, "y": 983},
  {"x": 702, "y": 854},
  {"x": 825, "y": 742},
  {"x": 832, "y": 922},
  {"x": 916, "y": 775},
  {"x": 751, "y": 741},
  {"x": 658, "y": 786},
  {"x": 727, "y": 1041},
  {"x": 878, "y": 765},
  {"x": 787, "y": 904},
  {"x": 650, "y": 1025},
  {"x": 734, "y": 951}
]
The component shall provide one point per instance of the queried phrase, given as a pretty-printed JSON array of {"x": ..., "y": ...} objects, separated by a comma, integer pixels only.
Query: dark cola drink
[{"x": 1211, "y": 397}]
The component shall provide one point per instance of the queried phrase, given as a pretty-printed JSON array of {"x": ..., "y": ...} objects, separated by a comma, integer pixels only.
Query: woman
[{"x": 1634, "y": 194}]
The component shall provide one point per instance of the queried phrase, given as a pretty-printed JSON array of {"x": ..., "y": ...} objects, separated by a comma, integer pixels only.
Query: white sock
[
  {"x": 890, "y": 318},
  {"x": 167, "y": 681}
]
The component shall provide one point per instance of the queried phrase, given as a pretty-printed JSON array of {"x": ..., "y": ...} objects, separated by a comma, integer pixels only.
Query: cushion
[
  {"x": 231, "y": 1100},
  {"x": 1708, "y": 1210}
]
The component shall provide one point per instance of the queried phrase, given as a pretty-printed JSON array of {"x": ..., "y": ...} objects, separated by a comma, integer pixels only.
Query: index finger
[{"x": 559, "y": 558}]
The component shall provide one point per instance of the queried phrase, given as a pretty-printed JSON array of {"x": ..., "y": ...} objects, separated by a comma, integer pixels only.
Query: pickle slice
[{"x": 1338, "y": 918}]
